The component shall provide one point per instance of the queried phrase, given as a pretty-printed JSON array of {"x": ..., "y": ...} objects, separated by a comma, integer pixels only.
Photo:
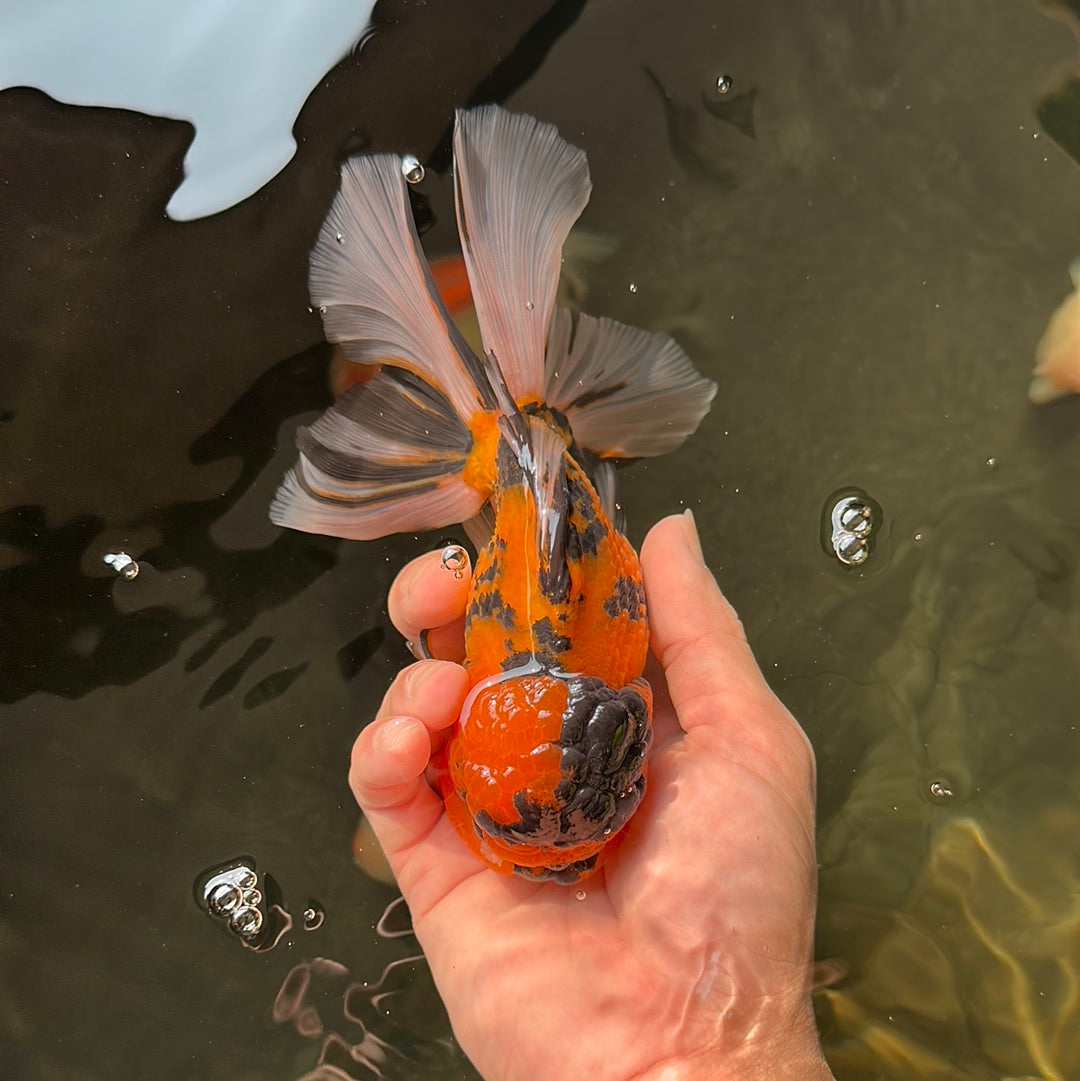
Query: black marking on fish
[
  {"x": 585, "y": 537},
  {"x": 490, "y": 605},
  {"x": 603, "y": 741},
  {"x": 628, "y": 598},
  {"x": 565, "y": 874},
  {"x": 358, "y": 469},
  {"x": 549, "y": 643},
  {"x": 378, "y": 496},
  {"x": 514, "y": 660},
  {"x": 592, "y": 396},
  {"x": 554, "y": 572},
  {"x": 489, "y": 573}
]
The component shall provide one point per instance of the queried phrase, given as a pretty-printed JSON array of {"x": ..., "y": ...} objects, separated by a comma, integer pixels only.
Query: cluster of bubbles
[
  {"x": 234, "y": 896},
  {"x": 250, "y": 909},
  {"x": 851, "y": 519},
  {"x": 365, "y": 1030}
]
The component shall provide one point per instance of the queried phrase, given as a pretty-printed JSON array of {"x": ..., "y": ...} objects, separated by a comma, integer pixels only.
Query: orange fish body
[
  {"x": 518, "y": 440},
  {"x": 548, "y": 760}
]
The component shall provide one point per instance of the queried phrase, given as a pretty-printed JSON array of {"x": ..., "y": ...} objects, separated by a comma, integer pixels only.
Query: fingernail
[
  {"x": 692, "y": 538},
  {"x": 395, "y": 733},
  {"x": 418, "y": 675}
]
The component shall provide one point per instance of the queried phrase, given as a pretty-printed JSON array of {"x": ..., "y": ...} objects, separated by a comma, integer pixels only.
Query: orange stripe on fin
[{"x": 452, "y": 281}]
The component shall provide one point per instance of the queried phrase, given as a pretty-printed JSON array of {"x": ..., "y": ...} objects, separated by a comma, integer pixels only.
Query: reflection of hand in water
[{"x": 688, "y": 954}]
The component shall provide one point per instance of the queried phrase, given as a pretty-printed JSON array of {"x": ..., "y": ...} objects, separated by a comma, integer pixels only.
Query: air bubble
[
  {"x": 529, "y": 305},
  {"x": 454, "y": 559},
  {"x": 223, "y": 899},
  {"x": 633, "y": 287},
  {"x": 314, "y": 916},
  {"x": 122, "y": 563},
  {"x": 411, "y": 169},
  {"x": 339, "y": 237},
  {"x": 246, "y": 922},
  {"x": 857, "y": 518},
  {"x": 941, "y": 790},
  {"x": 724, "y": 83},
  {"x": 851, "y": 550},
  {"x": 580, "y": 895}
]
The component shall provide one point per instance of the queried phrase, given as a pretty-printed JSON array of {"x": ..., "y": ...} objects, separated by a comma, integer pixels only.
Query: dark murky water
[{"x": 862, "y": 254}]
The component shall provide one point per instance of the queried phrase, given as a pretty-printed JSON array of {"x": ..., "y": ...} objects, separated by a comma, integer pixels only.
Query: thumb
[{"x": 713, "y": 679}]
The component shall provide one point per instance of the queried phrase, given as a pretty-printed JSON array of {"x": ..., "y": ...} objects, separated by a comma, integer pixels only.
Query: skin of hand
[{"x": 689, "y": 956}]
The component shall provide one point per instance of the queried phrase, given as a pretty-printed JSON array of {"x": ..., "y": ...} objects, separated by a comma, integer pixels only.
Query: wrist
[{"x": 797, "y": 1057}]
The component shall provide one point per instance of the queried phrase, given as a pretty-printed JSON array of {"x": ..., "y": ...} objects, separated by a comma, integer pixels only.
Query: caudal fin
[
  {"x": 387, "y": 457},
  {"x": 391, "y": 454},
  {"x": 626, "y": 392},
  {"x": 519, "y": 187}
]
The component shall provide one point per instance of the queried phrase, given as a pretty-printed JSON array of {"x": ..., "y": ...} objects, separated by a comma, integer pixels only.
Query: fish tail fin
[
  {"x": 519, "y": 187},
  {"x": 626, "y": 392},
  {"x": 390, "y": 454},
  {"x": 393, "y": 452},
  {"x": 398, "y": 451}
]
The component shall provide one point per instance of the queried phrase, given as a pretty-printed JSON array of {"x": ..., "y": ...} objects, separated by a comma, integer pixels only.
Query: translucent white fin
[
  {"x": 602, "y": 474},
  {"x": 385, "y": 458},
  {"x": 480, "y": 527},
  {"x": 372, "y": 283},
  {"x": 519, "y": 188},
  {"x": 626, "y": 393}
]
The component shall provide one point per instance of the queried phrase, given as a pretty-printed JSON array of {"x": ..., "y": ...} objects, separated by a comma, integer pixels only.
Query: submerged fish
[
  {"x": 547, "y": 761},
  {"x": 1057, "y": 356}
]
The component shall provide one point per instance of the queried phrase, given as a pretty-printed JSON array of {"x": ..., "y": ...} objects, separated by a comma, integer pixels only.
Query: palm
[{"x": 695, "y": 931}]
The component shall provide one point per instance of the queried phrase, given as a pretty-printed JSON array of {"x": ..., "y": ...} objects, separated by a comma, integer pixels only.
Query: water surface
[{"x": 862, "y": 254}]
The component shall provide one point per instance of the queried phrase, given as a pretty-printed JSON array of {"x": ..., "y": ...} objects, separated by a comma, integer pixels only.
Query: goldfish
[
  {"x": 1057, "y": 355},
  {"x": 548, "y": 759}
]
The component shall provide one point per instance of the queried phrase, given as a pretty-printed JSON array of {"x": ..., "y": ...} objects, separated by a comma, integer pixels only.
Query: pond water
[{"x": 860, "y": 241}]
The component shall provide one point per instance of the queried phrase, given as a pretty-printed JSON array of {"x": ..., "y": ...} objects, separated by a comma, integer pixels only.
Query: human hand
[{"x": 689, "y": 956}]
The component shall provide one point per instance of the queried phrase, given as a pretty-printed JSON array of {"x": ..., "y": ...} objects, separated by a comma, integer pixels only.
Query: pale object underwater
[
  {"x": 240, "y": 72},
  {"x": 1057, "y": 356}
]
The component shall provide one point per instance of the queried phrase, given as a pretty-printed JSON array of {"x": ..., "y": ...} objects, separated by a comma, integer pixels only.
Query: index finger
[{"x": 428, "y": 595}]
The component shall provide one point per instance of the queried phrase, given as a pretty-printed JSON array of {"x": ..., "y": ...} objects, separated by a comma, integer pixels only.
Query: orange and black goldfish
[{"x": 547, "y": 761}]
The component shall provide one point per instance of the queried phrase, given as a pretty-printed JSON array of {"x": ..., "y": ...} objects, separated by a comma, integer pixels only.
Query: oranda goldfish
[{"x": 548, "y": 759}]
